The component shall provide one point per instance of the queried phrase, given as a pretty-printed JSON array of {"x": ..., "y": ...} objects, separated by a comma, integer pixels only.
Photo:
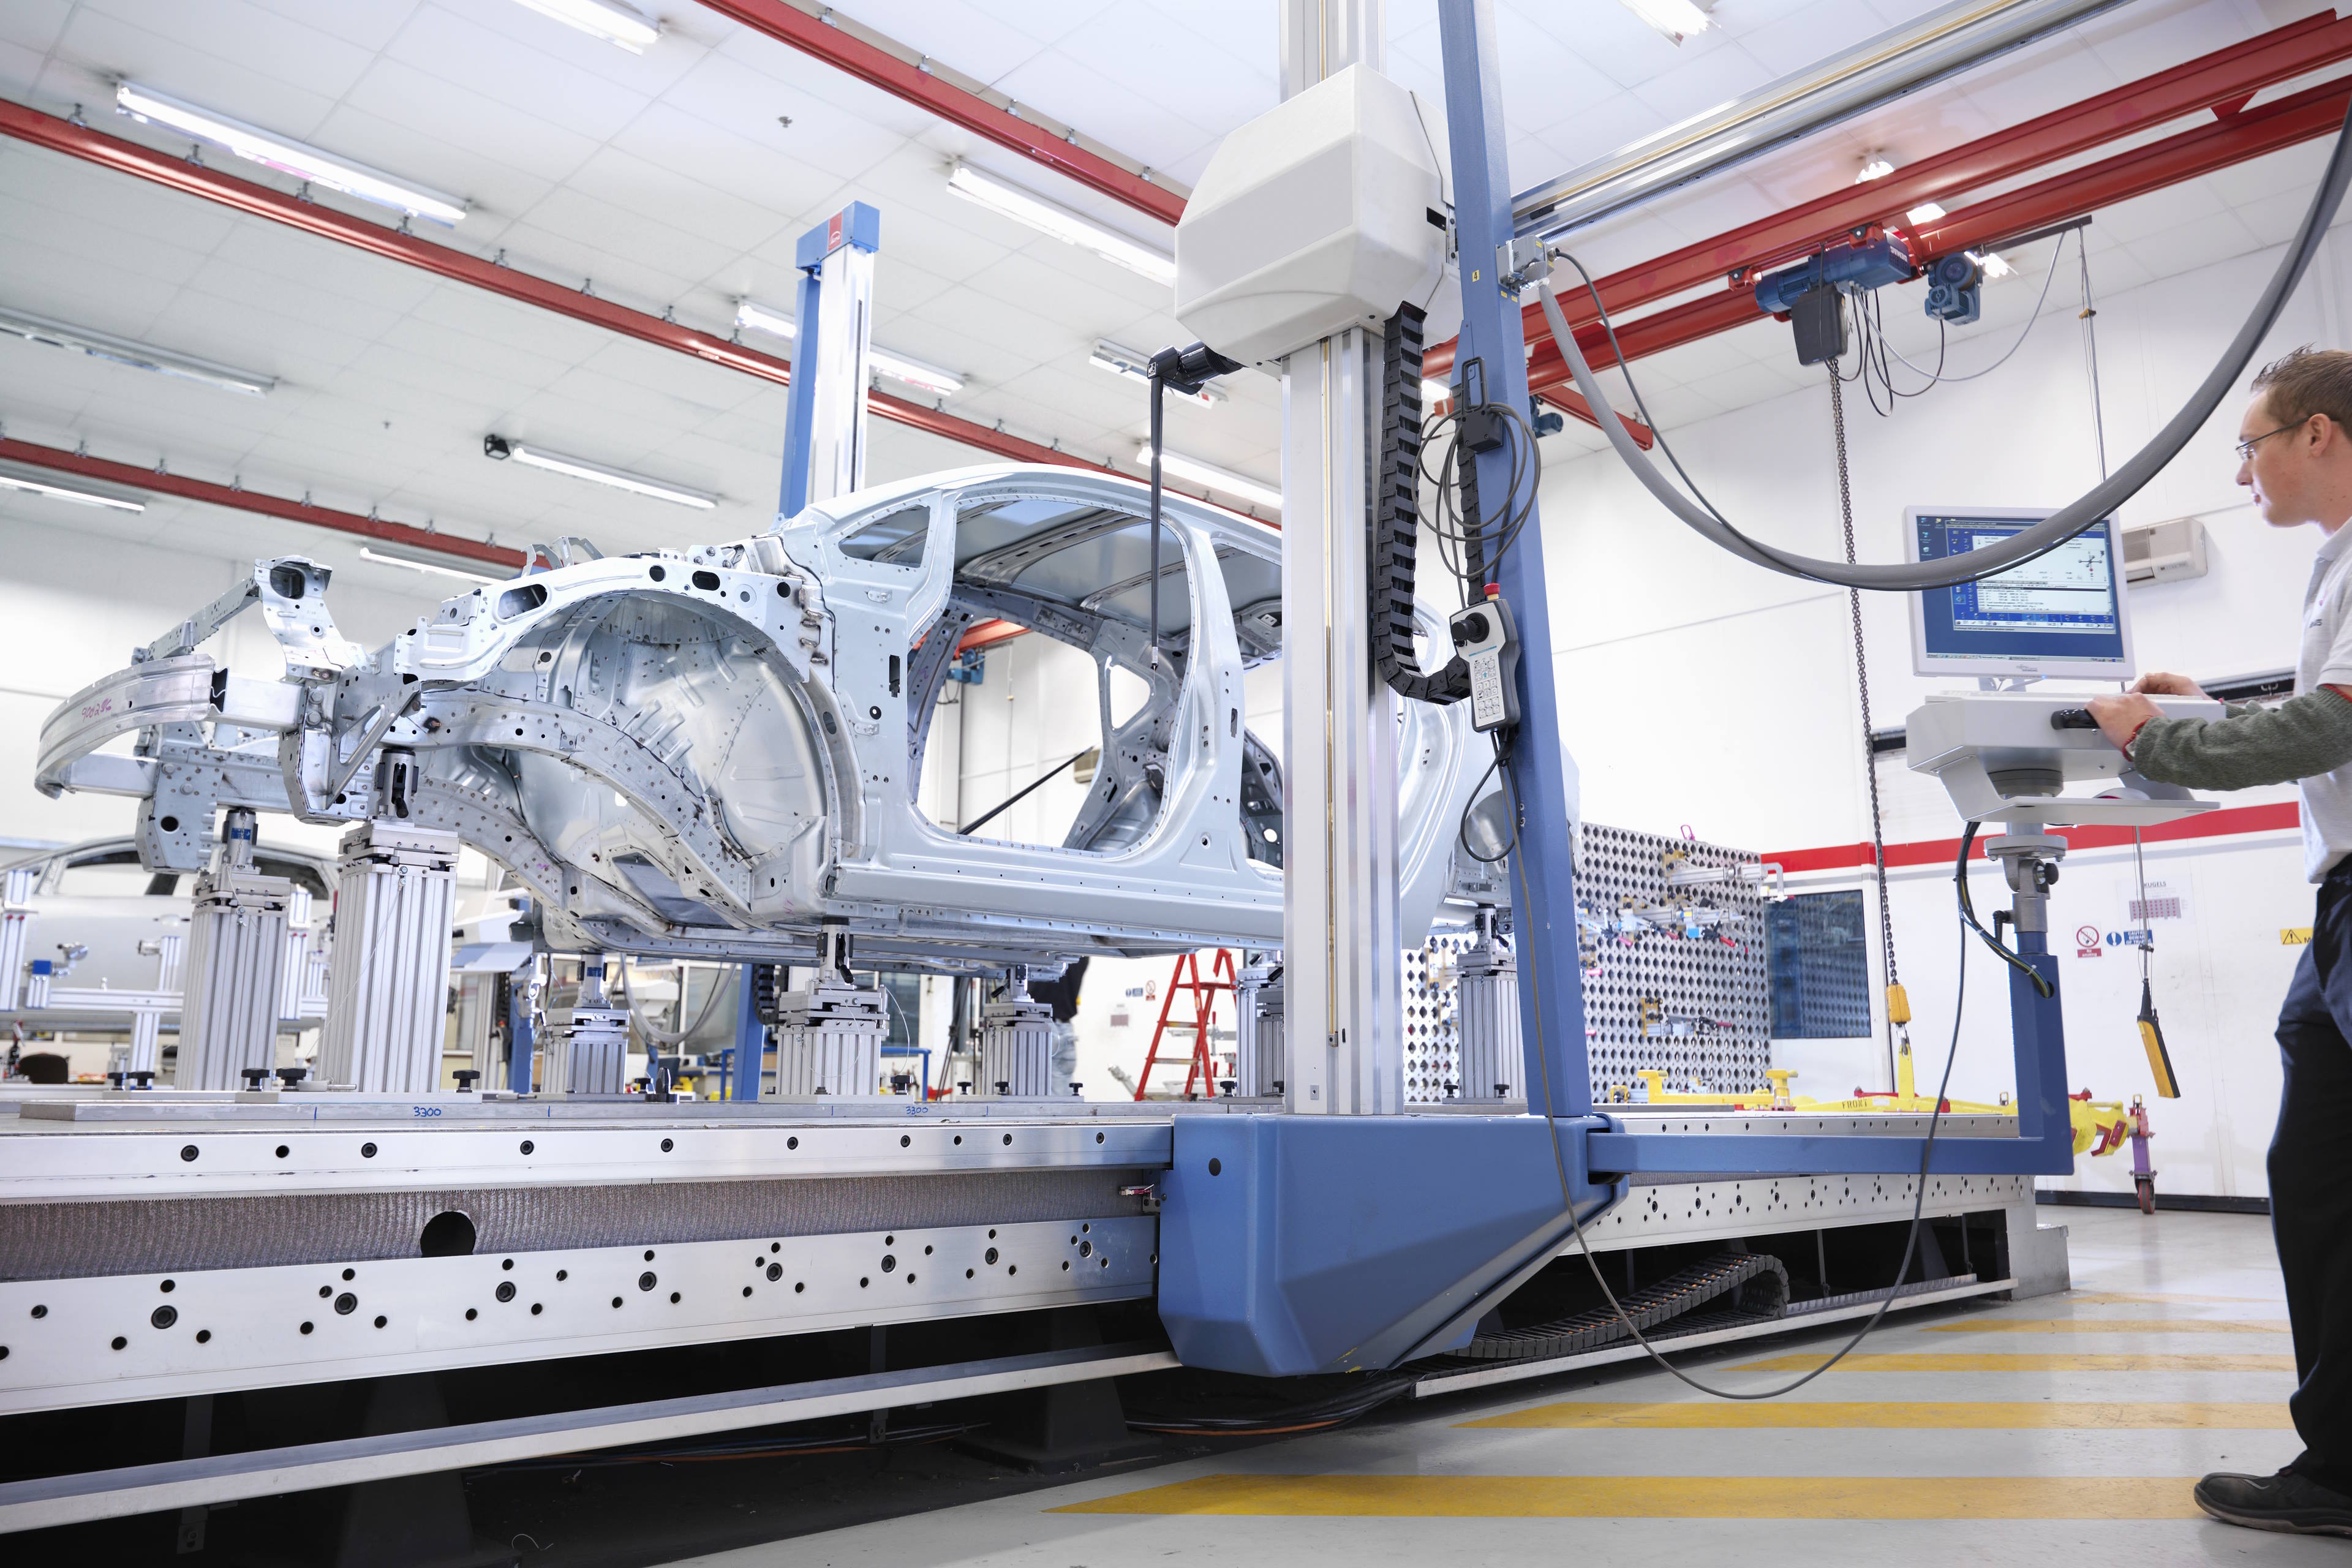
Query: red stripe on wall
[{"x": 2276, "y": 817}]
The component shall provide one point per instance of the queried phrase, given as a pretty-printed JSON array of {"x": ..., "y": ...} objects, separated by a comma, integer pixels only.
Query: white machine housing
[
  {"x": 1324, "y": 213},
  {"x": 1998, "y": 758}
]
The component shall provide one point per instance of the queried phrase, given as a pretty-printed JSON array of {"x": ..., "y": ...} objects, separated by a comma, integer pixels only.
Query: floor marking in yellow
[
  {"x": 1662, "y": 1496},
  {"x": 2103, "y": 1326},
  {"x": 1962, "y": 1360},
  {"x": 1956, "y": 1416},
  {"x": 2150, "y": 1297}
]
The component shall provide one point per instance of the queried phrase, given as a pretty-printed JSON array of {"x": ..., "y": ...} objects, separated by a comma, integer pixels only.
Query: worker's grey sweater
[{"x": 2301, "y": 738}]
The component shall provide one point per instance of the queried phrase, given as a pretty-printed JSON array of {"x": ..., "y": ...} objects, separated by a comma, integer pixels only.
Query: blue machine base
[{"x": 1291, "y": 1245}]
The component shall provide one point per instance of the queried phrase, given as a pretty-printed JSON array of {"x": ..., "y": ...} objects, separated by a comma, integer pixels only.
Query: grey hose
[{"x": 2043, "y": 537}]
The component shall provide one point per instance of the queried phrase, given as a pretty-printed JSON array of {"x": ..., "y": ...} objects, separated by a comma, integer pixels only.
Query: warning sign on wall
[
  {"x": 2294, "y": 936},
  {"x": 2086, "y": 943}
]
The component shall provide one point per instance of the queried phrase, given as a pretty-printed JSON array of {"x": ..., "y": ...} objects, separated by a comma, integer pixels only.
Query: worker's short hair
[{"x": 2308, "y": 381}]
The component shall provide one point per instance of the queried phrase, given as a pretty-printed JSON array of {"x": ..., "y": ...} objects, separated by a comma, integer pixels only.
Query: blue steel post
[
  {"x": 799, "y": 410},
  {"x": 2035, "y": 1022},
  {"x": 751, "y": 1063},
  {"x": 858, "y": 225},
  {"x": 519, "y": 1046},
  {"x": 1551, "y": 982}
]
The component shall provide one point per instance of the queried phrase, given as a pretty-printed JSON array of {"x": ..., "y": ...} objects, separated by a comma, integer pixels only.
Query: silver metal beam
[
  {"x": 267, "y": 1472},
  {"x": 1899, "y": 61},
  {"x": 1343, "y": 975}
]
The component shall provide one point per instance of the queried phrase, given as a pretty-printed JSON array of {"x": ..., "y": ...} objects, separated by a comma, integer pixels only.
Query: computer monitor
[{"x": 2061, "y": 615}]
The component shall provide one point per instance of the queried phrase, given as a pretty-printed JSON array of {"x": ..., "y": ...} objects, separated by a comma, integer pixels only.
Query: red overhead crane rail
[
  {"x": 261, "y": 200},
  {"x": 57, "y": 460},
  {"x": 2220, "y": 82},
  {"x": 905, "y": 79},
  {"x": 2246, "y": 133}
]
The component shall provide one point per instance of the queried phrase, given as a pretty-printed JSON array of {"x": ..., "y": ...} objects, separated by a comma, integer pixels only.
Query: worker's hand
[
  {"x": 2120, "y": 718},
  {"x": 2161, "y": 684}
]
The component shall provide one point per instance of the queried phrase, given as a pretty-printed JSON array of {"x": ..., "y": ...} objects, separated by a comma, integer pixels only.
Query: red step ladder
[{"x": 1186, "y": 976}]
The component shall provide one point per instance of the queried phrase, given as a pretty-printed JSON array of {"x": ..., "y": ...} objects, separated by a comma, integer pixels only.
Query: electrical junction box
[
  {"x": 1327, "y": 213},
  {"x": 2165, "y": 551}
]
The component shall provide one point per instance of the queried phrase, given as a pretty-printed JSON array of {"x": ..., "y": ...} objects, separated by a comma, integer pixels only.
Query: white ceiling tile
[
  {"x": 287, "y": 53},
  {"x": 981, "y": 47},
  {"x": 398, "y": 93},
  {"x": 671, "y": 200},
  {"x": 2216, "y": 237},
  {"x": 572, "y": 239},
  {"x": 746, "y": 155},
  {"x": 33, "y": 24},
  {"x": 462, "y": 51},
  {"x": 1080, "y": 93},
  {"x": 1802, "y": 35}
]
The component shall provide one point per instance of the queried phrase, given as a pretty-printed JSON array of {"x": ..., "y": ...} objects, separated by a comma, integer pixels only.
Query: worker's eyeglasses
[{"x": 2246, "y": 448}]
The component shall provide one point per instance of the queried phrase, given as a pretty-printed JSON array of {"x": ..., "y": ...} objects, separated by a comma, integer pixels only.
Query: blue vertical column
[
  {"x": 519, "y": 1038},
  {"x": 1543, "y": 897},
  {"x": 750, "y": 1040},
  {"x": 858, "y": 225},
  {"x": 2038, "y": 1027}
]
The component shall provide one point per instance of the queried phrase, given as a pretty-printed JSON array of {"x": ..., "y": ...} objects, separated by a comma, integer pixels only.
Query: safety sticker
[{"x": 2294, "y": 936}]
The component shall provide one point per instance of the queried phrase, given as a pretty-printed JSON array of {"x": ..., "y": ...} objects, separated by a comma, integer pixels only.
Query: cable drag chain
[{"x": 1761, "y": 1280}]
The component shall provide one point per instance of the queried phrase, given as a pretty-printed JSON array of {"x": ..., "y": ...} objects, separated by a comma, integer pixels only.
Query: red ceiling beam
[
  {"x": 131, "y": 475},
  {"x": 325, "y": 223},
  {"x": 2250, "y": 133},
  {"x": 904, "y": 78},
  {"x": 2211, "y": 81}
]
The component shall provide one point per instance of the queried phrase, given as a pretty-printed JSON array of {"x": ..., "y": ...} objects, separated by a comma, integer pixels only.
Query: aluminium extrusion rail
[{"x": 52, "y": 1500}]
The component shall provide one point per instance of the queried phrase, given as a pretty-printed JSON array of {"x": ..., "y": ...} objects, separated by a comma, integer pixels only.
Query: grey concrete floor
[{"x": 2066, "y": 1428}]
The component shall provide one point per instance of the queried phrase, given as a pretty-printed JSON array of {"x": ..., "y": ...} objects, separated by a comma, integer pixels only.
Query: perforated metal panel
[
  {"x": 1433, "y": 1030},
  {"x": 1673, "y": 976}
]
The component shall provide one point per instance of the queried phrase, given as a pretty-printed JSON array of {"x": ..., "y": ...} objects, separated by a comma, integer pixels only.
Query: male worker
[{"x": 2295, "y": 451}]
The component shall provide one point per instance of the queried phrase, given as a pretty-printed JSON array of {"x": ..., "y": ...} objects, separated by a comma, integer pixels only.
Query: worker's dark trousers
[{"x": 2310, "y": 1202}]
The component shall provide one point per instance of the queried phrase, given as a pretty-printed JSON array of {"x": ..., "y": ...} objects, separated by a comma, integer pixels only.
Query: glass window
[{"x": 1818, "y": 960}]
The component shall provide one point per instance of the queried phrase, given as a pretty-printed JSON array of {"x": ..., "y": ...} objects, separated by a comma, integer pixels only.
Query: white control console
[{"x": 2010, "y": 756}]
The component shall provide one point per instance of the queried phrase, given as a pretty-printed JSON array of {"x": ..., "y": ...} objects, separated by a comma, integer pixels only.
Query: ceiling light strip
[
  {"x": 288, "y": 156},
  {"x": 505, "y": 449},
  {"x": 259, "y": 200},
  {"x": 615, "y": 24},
  {"x": 137, "y": 355},
  {"x": 1233, "y": 484},
  {"x": 908, "y": 79},
  {"x": 898, "y": 367},
  {"x": 1050, "y": 217},
  {"x": 80, "y": 495},
  {"x": 57, "y": 460}
]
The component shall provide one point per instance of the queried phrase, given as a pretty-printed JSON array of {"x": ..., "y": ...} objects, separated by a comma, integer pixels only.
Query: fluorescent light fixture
[
  {"x": 1435, "y": 392},
  {"x": 1209, "y": 474},
  {"x": 1126, "y": 362},
  {"x": 881, "y": 361},
  {"x": 419, "y": 564},
  {"x": 1996, "y": 266},
  {"x": 139, "y": 356},
  {"x": 1048, "y": 216},
  {"x": 607, "y": 19},
  {"x": 21, "y": 480},
  {"x": 597, "y": 473},
  {"x": 1925, "y": 213},
  {"x": 1677, "y": 19},
  {"x": 288, "y": 156},
  {"x": 1874, "y": 167}
]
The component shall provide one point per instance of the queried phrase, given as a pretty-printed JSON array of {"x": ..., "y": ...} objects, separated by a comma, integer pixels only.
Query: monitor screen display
[{"x": 2058, "y": 614}]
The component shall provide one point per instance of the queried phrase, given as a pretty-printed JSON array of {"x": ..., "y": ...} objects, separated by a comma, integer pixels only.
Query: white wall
[{"x": 1698, "y": 689}]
